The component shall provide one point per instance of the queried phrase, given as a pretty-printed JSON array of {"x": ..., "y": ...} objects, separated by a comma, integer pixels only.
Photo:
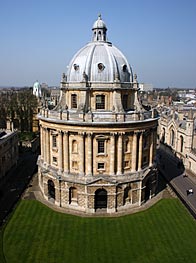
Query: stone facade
[
  {"x": 98, "y": 145},
  {"x": 177, "y": 134},
  {"x": 8, "y": 151}
]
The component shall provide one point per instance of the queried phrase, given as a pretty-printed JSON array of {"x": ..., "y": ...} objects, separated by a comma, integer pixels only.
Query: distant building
[
  {"x": 178, "y": 132},
  {"x": 37, "y": 89},
  {"x": 8, "y": 150},
  {"x": 54, "y": 97},
  {"x": 145, "y": 87}
]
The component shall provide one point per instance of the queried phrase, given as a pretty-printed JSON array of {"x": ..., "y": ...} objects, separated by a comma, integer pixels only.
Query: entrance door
[
  {"x": 51, "y": 189},
  {"x": 100, "y": 199},
  {"x": 147, "y": 191}
]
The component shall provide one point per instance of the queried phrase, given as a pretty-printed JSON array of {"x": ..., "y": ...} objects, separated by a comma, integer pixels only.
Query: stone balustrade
[{"x": 69, "y": 115}]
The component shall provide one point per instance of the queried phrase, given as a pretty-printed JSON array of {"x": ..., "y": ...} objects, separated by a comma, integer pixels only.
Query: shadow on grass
[{"x": 2, "y": 256}]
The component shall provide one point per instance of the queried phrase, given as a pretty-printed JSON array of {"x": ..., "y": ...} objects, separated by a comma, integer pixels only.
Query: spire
[{"x": 99, "y": 30}]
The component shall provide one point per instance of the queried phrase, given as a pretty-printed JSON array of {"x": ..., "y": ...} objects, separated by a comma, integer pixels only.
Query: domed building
[
  {"x": 37, "y": 89},
  {"x": 99, "y": 143}
]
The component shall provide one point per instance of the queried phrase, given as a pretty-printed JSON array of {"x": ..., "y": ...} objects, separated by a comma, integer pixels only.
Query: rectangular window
[
  {"x": 100, "y": 102},
  {"x": 54, "y": 160},
  {"x": 145, "y": 141},
  {"x": 73, "y": 101},
  {"x": 126, "y": 144},
  {"x": 75, "y": 165},
  {"x": 54, "y": 141},
  {"x": 125, "y": 101},
  {"x": 101, "y": 146},
  {"x": 100, "y": 166},
  {"x": 126, "y": 164}
]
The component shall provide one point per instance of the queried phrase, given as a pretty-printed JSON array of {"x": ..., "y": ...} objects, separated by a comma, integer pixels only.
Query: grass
[{"x": 163, "y": 233}]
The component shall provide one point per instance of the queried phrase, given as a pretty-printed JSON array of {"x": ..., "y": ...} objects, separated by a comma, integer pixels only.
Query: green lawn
[{"x": 163, "y": 233}]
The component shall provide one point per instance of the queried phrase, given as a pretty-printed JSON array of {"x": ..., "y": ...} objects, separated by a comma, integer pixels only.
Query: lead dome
[{"x": 100, "y": 60}]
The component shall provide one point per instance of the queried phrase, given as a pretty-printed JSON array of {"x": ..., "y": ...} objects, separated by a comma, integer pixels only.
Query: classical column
[
  {"x": 89, "y": 154},
  {"x": 81, "y": 154},
  {"x": 112, "y": 153},
  {"x": 134, "y": 153},
  {"x": 60, "y": 151},
  {"x": 45, "y": 144},
  {"x": 48, "y": 145},
  {"x": 66, "y": 152},
  {"x": 42, "y": 142},
  {"x": 119, "y": 158},
  {"x": 140, "y": 152},
  {"x": 151, "y": 148}
]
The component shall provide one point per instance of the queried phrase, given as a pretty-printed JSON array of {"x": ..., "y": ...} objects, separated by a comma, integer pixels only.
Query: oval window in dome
[
  {"x": 76, "y": 67},
  {"x": 124, "y": 68},
  {"x": 101, "y": 66}
]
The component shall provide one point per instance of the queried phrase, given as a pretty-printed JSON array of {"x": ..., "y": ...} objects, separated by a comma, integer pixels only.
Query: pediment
[{"x": 102, "y": 181}]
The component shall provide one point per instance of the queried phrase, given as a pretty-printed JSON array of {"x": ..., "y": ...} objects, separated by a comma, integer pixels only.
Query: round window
[
  {"x": 76, "y": 67},
  {"x": 101, "y": 66}
]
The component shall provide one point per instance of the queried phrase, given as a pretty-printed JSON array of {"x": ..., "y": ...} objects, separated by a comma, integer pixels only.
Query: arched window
[
  {"x": 181, "y": 143},
  {"x": 73, "y": 195},
  {"x": 99, "y": 35},
  {"x": 100, "y": 102},
  {"x": 74, "y": 146},
  {"x": 172, "y": 138},
  {"x": 73, "y": 101}
]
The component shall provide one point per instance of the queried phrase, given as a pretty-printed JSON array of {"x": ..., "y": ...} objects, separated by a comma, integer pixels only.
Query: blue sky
[{"x": 39, "y": 37}]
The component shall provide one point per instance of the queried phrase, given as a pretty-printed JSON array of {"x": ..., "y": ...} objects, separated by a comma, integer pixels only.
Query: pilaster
[
  {"x": 119, "y": 157},
  {"x": 66, "y": 152},
  {"x": 89, "y": 154},
  {"x": 112, "y": 153},
  {"x": 134, "y": 153},
  {"x": 140, "y": 151},
  {"x": 60, "y": 150},
  {"x": 81, "y": 153}
]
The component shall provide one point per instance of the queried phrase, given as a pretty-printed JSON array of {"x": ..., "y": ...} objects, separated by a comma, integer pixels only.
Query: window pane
[
  {"x": 54, "y": 144},
  {"x": 100, "y": 165},
  {"x": 100, "y": 102},
  {"x": 101, "y": 146},
  {"x": 74, "y": 101}
]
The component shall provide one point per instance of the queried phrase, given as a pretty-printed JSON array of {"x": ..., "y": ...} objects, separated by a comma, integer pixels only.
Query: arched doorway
[
  {"x": 147, "y": 190},
  {"x": 127, "y": 195},
  {"x": 100, "y": 199},
  {"x": 51, "y": 190}
]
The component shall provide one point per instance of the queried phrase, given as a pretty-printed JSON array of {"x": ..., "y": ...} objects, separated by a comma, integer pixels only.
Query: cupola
[{"x": 99, "y": 30}]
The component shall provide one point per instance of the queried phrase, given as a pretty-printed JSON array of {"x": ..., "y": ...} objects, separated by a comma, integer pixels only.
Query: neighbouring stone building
[
  {"x": 8, "y": 150},
  {"x": 177, "y": 131},
  {"x": 98, "y": 144}
]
